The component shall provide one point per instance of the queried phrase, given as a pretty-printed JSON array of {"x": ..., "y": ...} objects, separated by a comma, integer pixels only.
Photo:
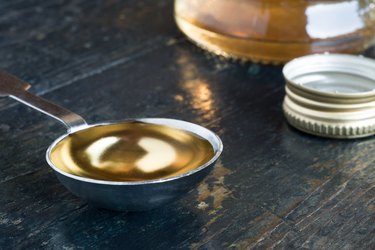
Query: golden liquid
[
  {"x": 276, "y": 31},
  {"x": 131, "y": 152}
]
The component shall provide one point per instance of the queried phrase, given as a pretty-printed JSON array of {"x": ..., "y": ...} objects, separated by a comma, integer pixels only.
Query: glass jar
[{"x": 276, "y": 31}]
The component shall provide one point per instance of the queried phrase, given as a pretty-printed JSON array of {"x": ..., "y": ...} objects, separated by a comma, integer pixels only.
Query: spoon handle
[{"x": 17, "y": 89}]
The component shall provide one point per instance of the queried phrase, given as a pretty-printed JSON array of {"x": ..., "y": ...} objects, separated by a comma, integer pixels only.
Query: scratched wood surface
[{"x": 274, "y": 187}]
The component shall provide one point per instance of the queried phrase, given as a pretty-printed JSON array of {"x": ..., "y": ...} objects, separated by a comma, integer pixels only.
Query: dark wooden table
[{"x": 109, "y": 60}]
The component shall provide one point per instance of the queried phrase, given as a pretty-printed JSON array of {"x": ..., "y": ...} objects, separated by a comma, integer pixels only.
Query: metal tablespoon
[{"x": 131, "y": 165}]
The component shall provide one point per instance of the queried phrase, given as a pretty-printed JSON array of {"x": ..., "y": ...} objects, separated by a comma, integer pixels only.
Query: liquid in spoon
[{"x": 132, "y": 151}]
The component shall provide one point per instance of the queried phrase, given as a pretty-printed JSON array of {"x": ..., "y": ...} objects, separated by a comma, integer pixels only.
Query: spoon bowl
[{"x": 142, "y": 194}]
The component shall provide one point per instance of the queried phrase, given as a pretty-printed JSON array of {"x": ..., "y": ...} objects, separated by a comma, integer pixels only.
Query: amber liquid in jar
[
  {"x": 131, "y": 152},
  {"x": 276, "y": 31}
]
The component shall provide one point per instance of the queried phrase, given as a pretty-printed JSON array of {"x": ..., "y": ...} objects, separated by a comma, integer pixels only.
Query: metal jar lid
[{"x": 331, "y": 95}]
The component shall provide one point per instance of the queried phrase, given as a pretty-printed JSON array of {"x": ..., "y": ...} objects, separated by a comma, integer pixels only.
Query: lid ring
[{"x": 331, "y": 95}]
